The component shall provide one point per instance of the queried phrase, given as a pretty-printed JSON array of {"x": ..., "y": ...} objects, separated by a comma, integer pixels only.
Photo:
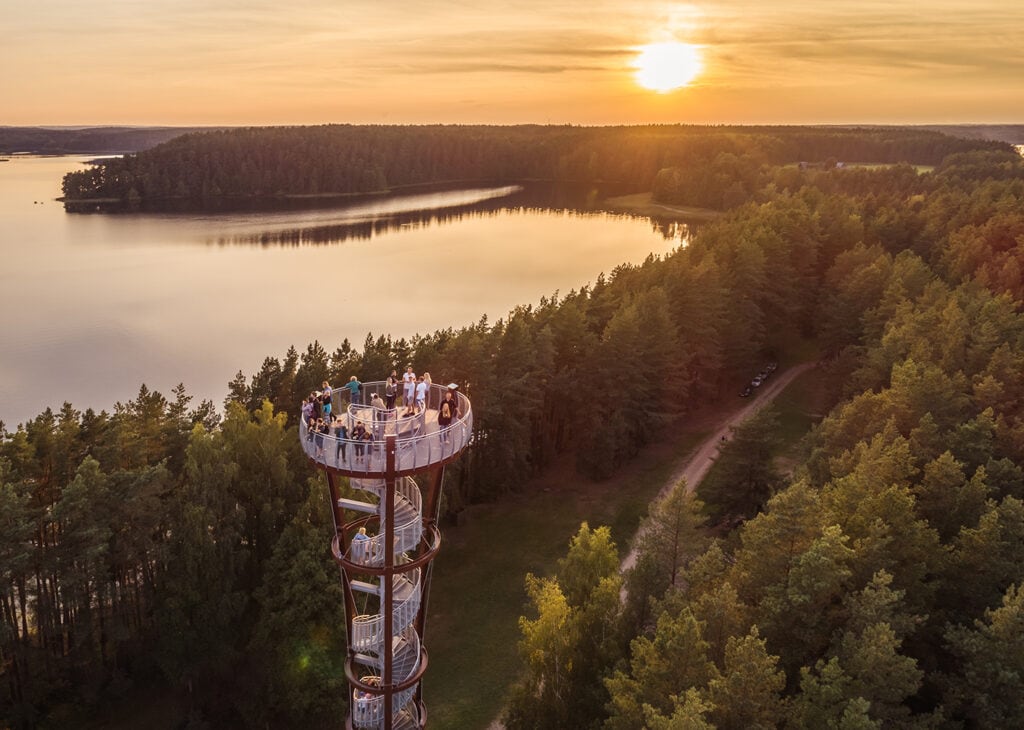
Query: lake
[{"x": 94, "y": 305}]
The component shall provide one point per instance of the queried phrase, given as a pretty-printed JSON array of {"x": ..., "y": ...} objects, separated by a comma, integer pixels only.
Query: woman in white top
[{"x": 409, "y": 385}]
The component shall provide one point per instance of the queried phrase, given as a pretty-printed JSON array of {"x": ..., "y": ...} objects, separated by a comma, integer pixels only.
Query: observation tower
[{"x": 386, "y": 538}]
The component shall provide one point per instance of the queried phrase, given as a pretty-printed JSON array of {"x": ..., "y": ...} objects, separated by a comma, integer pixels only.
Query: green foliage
[
  {"x": 299, "y": 637},
  {"x": 671, "y": 662},
  {"x": 824, "y": 700},
  {"x": 671, "y": 535},
  {"x": 988, "y": 691},
  {"x": 689, "y": 713},
  {"x": 592, "y": 557},
  {"x": 748, "y": 692},
  {"x": 132, "y": 545},
  {"x": 574, "y": 641}
]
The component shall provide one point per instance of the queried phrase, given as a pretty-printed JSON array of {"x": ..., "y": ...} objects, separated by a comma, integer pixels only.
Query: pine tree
[
  {"x": 987, "y": 692},
  {"x": 745, "y": 477},
  {"x": 748, "y": 691},
  {"x": 668, "y": 664}
]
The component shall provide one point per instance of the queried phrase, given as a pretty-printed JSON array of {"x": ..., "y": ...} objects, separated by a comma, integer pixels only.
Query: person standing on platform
[
  {"x": 421, "y": 394},
  {"x": 447, "y": 411},
  {"x": 359, "y": 543},
  {"x": 357, "y": 435},
  {"x": 409, "y": 384},
  {"x": 321, "y": 429},
  {"x": 391, "y": 393},
  {"x": 354, "y": 386},
  {"x": 368, "y": 440},
  {"x": 325, "y": 397},
  {"x": 379, "y": 413},
  {"x": 341, "y": 434}
]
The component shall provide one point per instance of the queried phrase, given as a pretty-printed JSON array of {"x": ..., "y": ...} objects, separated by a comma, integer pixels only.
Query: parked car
[
  {"x": 745, "y": 393},
  {"x": 756, "y": 382},
  {"x": 772, "y": 366}
]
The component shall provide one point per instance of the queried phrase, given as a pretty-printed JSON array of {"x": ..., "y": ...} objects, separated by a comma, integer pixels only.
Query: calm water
[{"x": 92, "y": 306}]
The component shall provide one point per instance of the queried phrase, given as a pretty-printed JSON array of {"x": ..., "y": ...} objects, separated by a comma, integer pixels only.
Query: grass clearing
[
  {"x": 881, "y": 165},
  {"x": 477, "y": 592},
  {"x": 801, "y": 405},
  {"x": 644, "y": 204}
]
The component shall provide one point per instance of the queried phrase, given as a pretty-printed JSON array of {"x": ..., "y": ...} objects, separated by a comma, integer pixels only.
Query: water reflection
[
  {"x": 404, "y": 213},
  {"x": 102, "y": 303}
]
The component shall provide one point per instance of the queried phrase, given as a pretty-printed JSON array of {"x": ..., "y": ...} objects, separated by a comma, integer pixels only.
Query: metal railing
[
  {"x": 367, "y": 708},
  {"x": 420, "y": 440},
  {"x": 370, "y": 550},
  {"x": 368, "y": 629}
]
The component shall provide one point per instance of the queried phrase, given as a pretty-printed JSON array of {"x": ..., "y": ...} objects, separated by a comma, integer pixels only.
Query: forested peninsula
[
  {"x": 166, "y": 550},
  {"x": 721, "y": 165}
]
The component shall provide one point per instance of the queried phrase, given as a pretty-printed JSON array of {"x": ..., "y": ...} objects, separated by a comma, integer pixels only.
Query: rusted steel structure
[{"x": 386, "y": 538}]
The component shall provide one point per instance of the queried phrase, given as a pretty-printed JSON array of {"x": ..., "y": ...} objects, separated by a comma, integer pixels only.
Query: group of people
[
  {"x": 317, "y": 412},
  {"x": 413, "y": 390},
  {"x": 319, "y": 404}
]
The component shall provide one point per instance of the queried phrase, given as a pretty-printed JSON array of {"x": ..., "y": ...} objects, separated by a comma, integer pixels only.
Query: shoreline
[{"x": 644, "y": 204}]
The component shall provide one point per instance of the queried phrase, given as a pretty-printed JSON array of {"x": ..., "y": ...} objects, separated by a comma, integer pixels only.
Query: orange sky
[{"x": 394, "y": 61}]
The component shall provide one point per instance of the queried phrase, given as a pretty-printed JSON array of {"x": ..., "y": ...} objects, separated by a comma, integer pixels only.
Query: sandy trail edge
[{"x": 695, "y": 467}]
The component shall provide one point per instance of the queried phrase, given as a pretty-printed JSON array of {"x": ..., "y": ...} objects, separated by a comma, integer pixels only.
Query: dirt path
[{"x": 695, "y": 467}]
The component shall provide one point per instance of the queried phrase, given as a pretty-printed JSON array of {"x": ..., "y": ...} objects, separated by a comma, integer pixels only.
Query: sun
[{"x": 663, "y": 67}]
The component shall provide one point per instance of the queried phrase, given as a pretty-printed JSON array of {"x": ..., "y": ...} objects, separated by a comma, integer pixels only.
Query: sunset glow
[
  {"x": 664, "y": 67},
  {"x": 556, "y": 61}
]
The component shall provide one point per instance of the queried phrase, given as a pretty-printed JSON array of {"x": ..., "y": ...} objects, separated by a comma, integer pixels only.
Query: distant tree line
[
  {"x": 162, "y": 544},
  {"x": 341, "y": 159},
  {"x": 86, "y": 140}
]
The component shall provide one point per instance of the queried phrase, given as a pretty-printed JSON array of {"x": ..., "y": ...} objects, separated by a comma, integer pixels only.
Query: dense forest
[
  {"x": 165, "y": 544},
  {"x": 204, "y": 168}
]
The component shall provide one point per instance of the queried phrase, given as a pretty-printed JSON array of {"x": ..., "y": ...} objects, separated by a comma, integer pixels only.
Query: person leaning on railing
[
  {"x": 341, "y": 434},
  {"x": 354, "y": 386},
  {"x": 379, "y": 408},
  {"x": 447, "y": 411}
]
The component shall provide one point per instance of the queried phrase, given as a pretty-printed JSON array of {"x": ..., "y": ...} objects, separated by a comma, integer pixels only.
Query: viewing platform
[
  {"x": 386, "y": 536},
  {"x": 420, "y": 440}
]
